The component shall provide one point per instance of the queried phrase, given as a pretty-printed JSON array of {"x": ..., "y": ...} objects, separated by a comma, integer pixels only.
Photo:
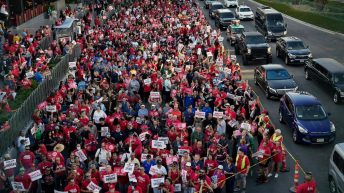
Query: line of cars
[{"x": 301, "y": 111}]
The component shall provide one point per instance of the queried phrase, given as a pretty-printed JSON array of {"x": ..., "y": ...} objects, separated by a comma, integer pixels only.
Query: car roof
[
  {"x": 290, "y": 38},
  {"x": 330, "y": 64},
  {"x": 243, "y": 6},
  {"x": 272, "y": 66},
  {"x": 303, "y": 98},
  {"x": 267, "y": 10},
  {"x": 237, "y": 26},
  {"x": 252, "y": 33},
  {"x": 223, "y": 10}
]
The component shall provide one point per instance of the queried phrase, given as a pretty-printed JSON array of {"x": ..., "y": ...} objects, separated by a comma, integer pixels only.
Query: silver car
[{"x": 336, "y": 169}]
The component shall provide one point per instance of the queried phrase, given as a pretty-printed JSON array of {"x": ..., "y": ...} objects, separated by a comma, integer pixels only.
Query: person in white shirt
[
  {"x": 98, "y": 114},
  {"x": 103, "y": 155},
  {"x": 159, "y": 171}
]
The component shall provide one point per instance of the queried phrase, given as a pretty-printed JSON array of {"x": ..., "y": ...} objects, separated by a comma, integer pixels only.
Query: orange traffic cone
[{"x": 296, "y": 178}]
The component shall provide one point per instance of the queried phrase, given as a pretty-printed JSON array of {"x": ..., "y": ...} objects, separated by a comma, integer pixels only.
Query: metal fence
[
  {"x": 23, "y": 115},
  {"x": 45, "y": 42}
]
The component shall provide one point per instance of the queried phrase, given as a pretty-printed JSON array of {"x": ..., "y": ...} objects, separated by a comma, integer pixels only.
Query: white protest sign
[
  {"x": 30, "y": 74},
  {"x": 104, "y": 131},
  {"x": 154, "y": 95},
  {"x": 72, "y": 64},
  {"x": 51, "y": 108},
  {"x": 200, "y": 114},
  {"x": 182, "y": 151},
  {"x": 110, "y": 178},
  {"x": 131, "y": 178},
  {"x": 81, "y": 155},
  {"x": 245, "y": 126},
  {"x": 164, "y": 139},
  {"x": 158, "y": 144},
  {"x": 155, "y": 182},
  {"x": 180, "y": 47},
  {"x": 129, "y": 167},
  {"x": 177, "y": 188},
  {"x": 35, "y": 175},
  {"x": 102, "y": 169},
  {"x": 27, "y": 142},
  {"x": 18, "y": 186},
  {"x": 184, "y": 174},
  {"x": 8, "y": 164},
  {"x": 142, "y": 136},
  {"x": 147, "y": 81},
  {"x": 217, "y": 114},
  {"x": 144, "y": 156},
  {"x": 92, "y": 186}
]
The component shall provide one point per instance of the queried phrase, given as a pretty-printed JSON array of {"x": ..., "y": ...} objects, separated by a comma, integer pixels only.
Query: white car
[
  {"x": 231, "y": 3},
  {"x": 244, "y": 12}
]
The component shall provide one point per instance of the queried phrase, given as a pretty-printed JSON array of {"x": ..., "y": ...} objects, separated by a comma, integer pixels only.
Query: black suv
[
  {"x": 274, "y": 79},
  {"x": 213, "y": 7},
  {"x": 253, "y": 46},
  {"x": 292, "y": 50},
  {"x": 223, "y": 18},
  {"x": 329, "y": 72}
]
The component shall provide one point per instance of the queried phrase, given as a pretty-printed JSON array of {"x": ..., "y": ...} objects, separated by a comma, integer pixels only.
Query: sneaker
[
  {"x": 276, "y": 175},
  {"x": 269, "y": 175}
]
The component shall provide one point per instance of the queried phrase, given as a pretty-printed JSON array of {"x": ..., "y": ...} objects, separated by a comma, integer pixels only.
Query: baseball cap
[
  {"x": 188, "y": 164},
  {"x": 220, "y": 167}
]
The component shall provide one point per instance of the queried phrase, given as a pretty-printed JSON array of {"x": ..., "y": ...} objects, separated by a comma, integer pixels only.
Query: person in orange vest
[
  {"x": 277, "y": 137},
  {"x": 242, "y": 164},
  {"x": 309, "y": 186}
]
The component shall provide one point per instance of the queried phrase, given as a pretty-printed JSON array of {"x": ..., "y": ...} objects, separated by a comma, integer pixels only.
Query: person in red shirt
[
  {"x": 168, "y": 186},
  {"x": 88, "y": 179},
  {"x": 143, "y": 180},
  {"x": 24, "y": 178},
  {"x": 309, "y": 186},
  {"x": 112, "y": 189},
  {"x": 27, "y": 158},
  {"x": 133, "y": 188},
  {"x": 72, "y": 187},
  {"x": 276, "y": 159},
  {"x": 204, "y": 183},
  {"x": 44, "y": 164},
  {"x": 242, "y": 164},
  {"x": 264, "y": 153},
  {"x": 218, "y": 179}
]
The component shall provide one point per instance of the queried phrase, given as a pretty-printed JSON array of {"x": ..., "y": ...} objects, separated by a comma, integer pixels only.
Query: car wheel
[
  {"x": 236, "y": 49},
  {"x": 280, "y": 117},
  {"x": 244, "y": 60},
  {"x": 267, "y": 93},
  {"x": 295, "y": 136},
  {"x": 307, "y": 75},
  {"x": 277, "y": 53},
  {"x": 333, "y": 186},
  {"x": 336, "y": 98},
  {"x": 286, "y": 60}
]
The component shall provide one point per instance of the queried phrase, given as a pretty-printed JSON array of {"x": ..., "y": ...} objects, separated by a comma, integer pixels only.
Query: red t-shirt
[
  {"x": 238, "y": 164},
  {"x": 137, "y": 190},
  {"x": 142, "y": 181},
  {"x": 307, "y": 187},
  {"x": 72, "y": 189},
  {"x": 25, "y": 179},
  {"x": 27, "y": 158}
]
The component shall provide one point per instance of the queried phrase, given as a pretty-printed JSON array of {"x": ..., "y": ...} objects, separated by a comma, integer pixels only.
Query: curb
[{"x": 305, "y": 23}]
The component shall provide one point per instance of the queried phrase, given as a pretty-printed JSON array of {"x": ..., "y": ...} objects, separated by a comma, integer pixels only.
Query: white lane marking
[{"x": 305, "y": 23}]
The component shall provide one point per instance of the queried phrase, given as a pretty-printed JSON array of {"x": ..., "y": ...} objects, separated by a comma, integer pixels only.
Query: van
[
  {"x": 270, "y": 23},
  {"x": 336, "y": 169}
]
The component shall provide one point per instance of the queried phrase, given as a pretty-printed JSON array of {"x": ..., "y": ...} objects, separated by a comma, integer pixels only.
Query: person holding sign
[
  {"x": 133, "y": 188},
  {"x": 23, "y": 178},
  {"x": 87, "y": 181},
  {"x": 72, "y": 187},
  {"x": 143, "y": 180},
  {"x": 27, "y": 158}
]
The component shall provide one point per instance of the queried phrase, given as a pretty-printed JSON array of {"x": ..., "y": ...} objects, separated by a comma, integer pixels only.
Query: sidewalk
[{"x": 33, "y": 24}]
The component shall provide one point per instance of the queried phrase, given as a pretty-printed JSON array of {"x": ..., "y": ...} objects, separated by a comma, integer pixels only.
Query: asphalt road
[{"x": 314, "y": 158}]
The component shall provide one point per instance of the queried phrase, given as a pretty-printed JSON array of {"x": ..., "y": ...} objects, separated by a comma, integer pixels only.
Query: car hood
[
  {"x": 261, "y": 45},
  {"x": 300, "y": 52},
  {"x": 314, "y": 126},
  {"x": 227, "y": 19},
  {"x": 246, "y": 13},
  {"x": 282, "y": 84}
]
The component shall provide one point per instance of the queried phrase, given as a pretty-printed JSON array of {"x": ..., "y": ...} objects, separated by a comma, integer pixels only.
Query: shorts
[{"x": 265, "y": 164}]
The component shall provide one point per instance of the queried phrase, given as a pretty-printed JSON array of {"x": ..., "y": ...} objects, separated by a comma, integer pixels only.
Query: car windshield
[
  {"x": 310, "y": 112},
  {"x": 237, "y": 30},
  {"x": 338, "y": 78},
  {"x": 296, "y": 45},
  {"x": 216, "y": 6},
  {"x": 246, "y": 9},
  {"x": 277, "y": 74},
  {"x": 275, "y": 20},
  {"x": 255, "y": 39},
  {"x": 227, "y": 15}
]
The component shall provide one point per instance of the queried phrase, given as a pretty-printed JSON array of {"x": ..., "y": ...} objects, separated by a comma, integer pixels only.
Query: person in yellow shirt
[{"x": 16, "y": 38}]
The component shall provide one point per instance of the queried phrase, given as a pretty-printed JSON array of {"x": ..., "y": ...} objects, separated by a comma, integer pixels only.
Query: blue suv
[{"x": 304, "y": 114}]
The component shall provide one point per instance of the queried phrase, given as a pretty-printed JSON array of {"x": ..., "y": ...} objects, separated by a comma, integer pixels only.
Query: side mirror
[
  {"x": 286, "y": 25},
  {"x": 307, "y": 46},
  {"x": 329, "y": 114},
  {"x": 291, "y": 76}
]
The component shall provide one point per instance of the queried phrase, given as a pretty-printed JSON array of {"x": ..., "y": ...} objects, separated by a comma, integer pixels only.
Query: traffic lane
[
  {"x": 305, "y": 153},
  {"x": 321, "y": 44}
]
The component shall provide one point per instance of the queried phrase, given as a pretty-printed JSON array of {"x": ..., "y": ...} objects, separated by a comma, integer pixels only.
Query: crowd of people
[{"x": 155, "y": 104}]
